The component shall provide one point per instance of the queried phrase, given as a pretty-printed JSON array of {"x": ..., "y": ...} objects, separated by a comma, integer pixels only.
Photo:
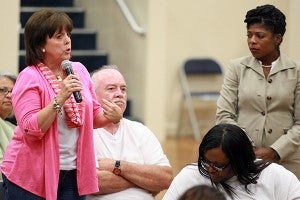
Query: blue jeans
[{"x": 67, "y": 189}]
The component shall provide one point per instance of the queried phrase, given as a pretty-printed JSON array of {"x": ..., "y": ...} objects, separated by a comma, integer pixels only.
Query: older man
[{"x": 131, "y": 162}]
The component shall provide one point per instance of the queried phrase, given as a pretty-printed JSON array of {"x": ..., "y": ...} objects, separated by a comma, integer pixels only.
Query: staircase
[{"x": 84, "y": 40}]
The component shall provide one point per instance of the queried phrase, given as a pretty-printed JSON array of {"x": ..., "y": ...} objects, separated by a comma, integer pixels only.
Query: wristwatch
[{"x": 117, "y": 169}]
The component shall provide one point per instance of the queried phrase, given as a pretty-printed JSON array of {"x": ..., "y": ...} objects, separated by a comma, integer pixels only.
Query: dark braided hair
[{"x": 269, "y": 16}]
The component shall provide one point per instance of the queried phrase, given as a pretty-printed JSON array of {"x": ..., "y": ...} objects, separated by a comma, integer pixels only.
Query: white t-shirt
[
  {"x": 67, "y": 138},
  {"x": 274, "y": 183},
  {"x": 133, "y": 142}
]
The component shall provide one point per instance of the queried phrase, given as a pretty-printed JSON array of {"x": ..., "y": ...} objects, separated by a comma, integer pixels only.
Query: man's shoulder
[{"x": 133, "y": 123}]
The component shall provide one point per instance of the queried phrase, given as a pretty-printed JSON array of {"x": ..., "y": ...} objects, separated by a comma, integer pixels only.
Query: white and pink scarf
[{"x": 74, "y": 111}]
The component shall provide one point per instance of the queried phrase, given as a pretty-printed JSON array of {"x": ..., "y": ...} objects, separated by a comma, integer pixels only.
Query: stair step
[
  {"x": 82, "y": 39},
  {"x": 91, "y": 59},
  {"x": 46, "y": 2},
  {"x": 77, "y": 14}
]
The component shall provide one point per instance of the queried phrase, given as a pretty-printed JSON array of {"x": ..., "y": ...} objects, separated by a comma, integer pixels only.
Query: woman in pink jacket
[{"x": 51, "y": 155}]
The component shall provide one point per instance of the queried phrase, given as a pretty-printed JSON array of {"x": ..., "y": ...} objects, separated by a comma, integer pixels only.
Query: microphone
[{"x": 66, "y": 65}]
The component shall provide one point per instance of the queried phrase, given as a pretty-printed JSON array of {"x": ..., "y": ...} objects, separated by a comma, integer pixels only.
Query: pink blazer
[{"x": 32, "y": 158}]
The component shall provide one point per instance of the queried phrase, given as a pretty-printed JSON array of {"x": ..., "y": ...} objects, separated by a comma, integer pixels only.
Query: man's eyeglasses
[
  {"x": 207, "y": 165},
  {"x": 5, "y": 91}
]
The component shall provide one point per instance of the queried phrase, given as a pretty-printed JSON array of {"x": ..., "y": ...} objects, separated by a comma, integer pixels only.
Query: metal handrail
[{"x": 130, "y": 19}]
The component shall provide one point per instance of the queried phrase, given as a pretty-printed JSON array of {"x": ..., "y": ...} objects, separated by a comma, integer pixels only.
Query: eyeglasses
[
  {"x": 207, "y": 165},
  {"x": 5, "y": 91}
]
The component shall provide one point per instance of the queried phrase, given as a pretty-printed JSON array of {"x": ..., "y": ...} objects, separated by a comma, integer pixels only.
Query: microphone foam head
[{"x": 66, "y": 64}]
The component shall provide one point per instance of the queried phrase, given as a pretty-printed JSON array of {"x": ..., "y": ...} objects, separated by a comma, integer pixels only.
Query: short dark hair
[
  {"x": 202, "y": 192},
  {"x": 39, "y": 26},
  {"x": 269, "y": 16},
  {"x": 238, "y": 148}
]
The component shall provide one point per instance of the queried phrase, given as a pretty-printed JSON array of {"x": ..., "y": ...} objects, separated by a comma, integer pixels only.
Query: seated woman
[
  {"x": 227, "y": 162},
  {"x": 7, "y": 82}
]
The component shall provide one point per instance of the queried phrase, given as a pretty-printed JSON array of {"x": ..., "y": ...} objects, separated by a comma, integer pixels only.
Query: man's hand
[
  {"x": 266, "y": 153},
  {"x": 112, "y": 111}
]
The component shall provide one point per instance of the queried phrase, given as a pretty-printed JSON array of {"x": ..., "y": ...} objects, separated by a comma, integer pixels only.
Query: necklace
[
  {"x": 266, "y": 69},
  {"x": 58, "y": 77}
]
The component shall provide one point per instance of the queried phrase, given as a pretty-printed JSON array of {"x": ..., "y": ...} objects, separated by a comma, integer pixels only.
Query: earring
[{"x": 43, "y": 50}]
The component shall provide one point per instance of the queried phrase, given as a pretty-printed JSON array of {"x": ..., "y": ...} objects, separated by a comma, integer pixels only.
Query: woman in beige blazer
[{"x": 261, "y": 93}]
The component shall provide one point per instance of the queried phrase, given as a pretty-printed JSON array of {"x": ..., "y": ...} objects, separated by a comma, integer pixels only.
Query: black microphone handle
[
  {"x": 69, "y": 70},
  {"x": 76, "y": 94}
]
